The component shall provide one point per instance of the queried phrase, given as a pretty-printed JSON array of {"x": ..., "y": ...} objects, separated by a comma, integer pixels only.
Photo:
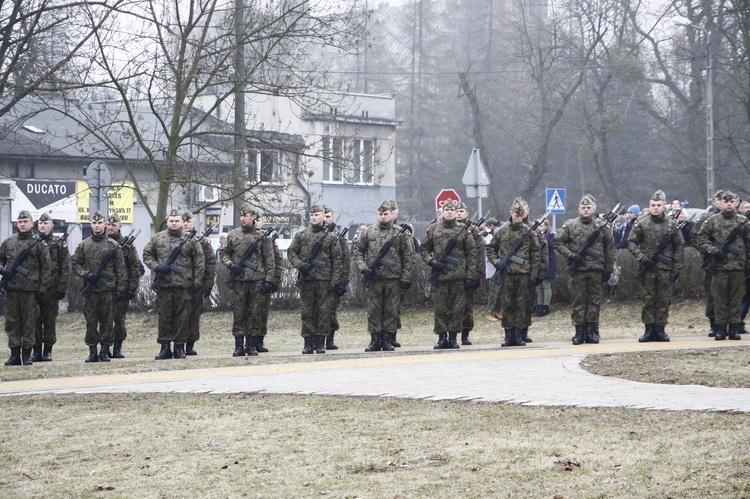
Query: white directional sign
[{"x": 556, "y": 200}]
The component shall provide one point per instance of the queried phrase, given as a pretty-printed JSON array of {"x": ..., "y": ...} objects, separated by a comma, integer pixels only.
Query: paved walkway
[{"x": 542, "y": 374}]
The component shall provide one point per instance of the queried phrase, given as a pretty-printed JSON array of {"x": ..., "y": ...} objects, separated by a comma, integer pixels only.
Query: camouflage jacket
[
  {"x": 715, "y": 231},
  {"x": 544, "y": 250},
  {"x": 526, "y": 259},
  {"x": 399, "y": 259},
  {"x": 697, "y": 228},
  {"x": 209, "y": 271},
  {"x": 132, "y": 263},
  {"x": 346, "y": 259},
  {"x": 261, "y": 264},
  {"x": 464, "y": 252},
  {"x": 278, "y": 260},
  {"x": 60, "y": 265},
  {"x": 648, "y": 233},
  {"x": 329, "y": 259},
  {"x": 481, "y": 259},
  {"x": 191, "y": 258},
  {"x": 574, "y": 234},
  {"x": 90, "y": 253},
  {"x": 37, "y": 262}
]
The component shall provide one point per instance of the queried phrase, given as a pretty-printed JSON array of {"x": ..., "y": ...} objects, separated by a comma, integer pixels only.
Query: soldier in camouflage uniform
[
  {"x": 173, "y": 298},
  {"x": 324, "y": 277},
  {"x": 384, "y": 290},
  {"x": 133, "y": 272},
  {"x": 23, "y": 288},
  {"x": 454, "y": 276},
  {"x": 593, "y": 269},
  {"x": 346, "y": 262},
  {"x": 207, "y": 284},
  {"x": 252, "y": 281},
  {"x": 519, "y": 276},
  {"x": 107, "y": 287},
  {"x": 661, "y": 272},
  {"x": 264, "y": 301},
  {"x": 462, "y": 215},
  {"x": 732, "y": 265},
  {"x": 536, "y": 280},
  {"x": 46, "y": 331},
  {"x": 707, "y": 278}
]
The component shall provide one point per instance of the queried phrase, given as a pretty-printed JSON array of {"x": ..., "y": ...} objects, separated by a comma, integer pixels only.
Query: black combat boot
[
  {"x": 578, "y": 339},
  {"x": 26, "y": 356},
  {"x": 259, "y": 346},
  {"x": 330, "y": 345},
  {"x": 250, "y": 346},
  {"x": 375, "y": 345},
  {"x": 15, "y": 357},
  {"x": 465, "y": 337},
  {"x": 239, "y": 346},
  {"x": 104, "y": 355},
  {"x": 517, "y": 336},
  {"x": 660, "y": 334},
  {"x": 734, "y": 331},
  {"x": 721, "y": 332},
  {"x": 117, "y": 350},
  {"x": 179, "y": 351},
  {"x": 190, "y": 348},
  {"x": 387, "y": 341},
  {"x": 525, "y": 336},
  {"x": 308, "y": 345},
  {"x": 36, "y": 356},
  {"x": 320, "y": 343},
  {"x": 394, "y": 341},
  {"x": 165, "y": 353},
  {"x": 592, "y": 332},
  {"x": 509, "y": 338},
  {"x": 648, "y": 334},
  {"x": 712, "y": 331},
  {"x": 47, "y": 353},
  {"x": 452, "y": 340},
  {"x": 442, "y": 343},
  {"x": 93, "y": 355}
]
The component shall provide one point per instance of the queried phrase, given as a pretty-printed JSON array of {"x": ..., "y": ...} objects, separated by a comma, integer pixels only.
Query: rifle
[
  {"x": 380, "y": 257},
  {"x": 209, "y": 230},
  {"x": 511, "y": 255},
  {"x": 16, "y": 266},
  {"x": 156, "y": 285},
  {"x": 586, "y": 248},
  {"x": 62, "y": 239},
  {"x": 312, "y": 259},
  {"x": 100, "y": 271},
  {"x": 245, "y": 260},
  {"x": 710, "y": 264},
  {"x": 656, "y": 255},
  {"x": 445, "y": 255}
]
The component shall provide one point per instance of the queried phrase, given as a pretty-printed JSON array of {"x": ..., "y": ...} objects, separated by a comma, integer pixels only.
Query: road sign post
[
  {"x": 476, "y": 178},
  {"x": 555, "y": 204}
]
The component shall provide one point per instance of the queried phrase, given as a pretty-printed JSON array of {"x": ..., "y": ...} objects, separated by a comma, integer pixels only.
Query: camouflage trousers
[
  {"x": 383, "y": 300},
  {"x": 494, "y": 302},
  {"x": 264, "y": 305},
  {"x": 173, "y": 304},
  {"x": 531, "y": 300},
  {"x": 99, "y": 314},
  {"x": 707, "y": 281},
  {"x": 21, "y": 312},
  {"x": 656, "y": 290},
  {"x": 120, "y": 311},
  {"x": 46, "y": 323},
  {"x": 449, "y": 302},
  {"x": 468, "y": 322},
  {"x": 316, "y": 309},
  {"x": 515, "y": 297},
  {"x": 245, "y": 308},
  {"x": 334, "y": 318},
  {"x": 586, "y": 294},
  {"x": 728, "y": 288},
  {"x": 194, "y": 317}
]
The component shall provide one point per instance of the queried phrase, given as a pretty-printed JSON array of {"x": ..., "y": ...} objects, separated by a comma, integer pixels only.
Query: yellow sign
[{"x": 120, "y": 201}]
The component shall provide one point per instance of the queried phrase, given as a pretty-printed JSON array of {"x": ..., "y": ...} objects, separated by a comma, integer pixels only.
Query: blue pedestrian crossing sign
[{"x": 556, "y": 201}]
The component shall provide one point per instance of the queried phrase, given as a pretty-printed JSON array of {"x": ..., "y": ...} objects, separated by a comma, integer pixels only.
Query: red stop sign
[{"x": 444, "y": 196}]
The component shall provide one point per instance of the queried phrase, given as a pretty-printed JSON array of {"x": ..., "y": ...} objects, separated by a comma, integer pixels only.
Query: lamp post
[{"x": 682, "y": 21}]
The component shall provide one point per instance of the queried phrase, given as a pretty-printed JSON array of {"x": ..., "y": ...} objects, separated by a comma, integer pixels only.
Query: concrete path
[{"x": 542, "y": 374}]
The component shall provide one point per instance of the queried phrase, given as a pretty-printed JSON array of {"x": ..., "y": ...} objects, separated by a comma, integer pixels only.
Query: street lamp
[{"x": 683, "y": 21}]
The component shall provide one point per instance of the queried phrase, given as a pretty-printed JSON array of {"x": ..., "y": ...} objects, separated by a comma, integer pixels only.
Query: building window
[
  {"x": 264, "y": 166},
  {"x": 333, "y": 151},
  {"x": 363, "y": 160}
]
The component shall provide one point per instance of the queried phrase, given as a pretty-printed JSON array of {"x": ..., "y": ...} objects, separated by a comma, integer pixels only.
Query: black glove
[
  {"x": 368, "y": 273},
  {"x": 38, "y": 295},
  {"x": 534, "y": 282},
  {"x": 501, "y": 266},
  {"x": 7, "y": 274},
  {"x": 674, "y": 275},
  {"x": 606, "y": 276},
  {"x": 305, "y": 267},
  {"x": 92, "y": 278},
  {"x": 236, "y": 269},
  {"x": 340, "y": 289},
  {"x": 331, "y": 288},
  {"x": 130, "y": 294},
  {"x": 267, "y": 288},
  {"x": 162, "y": 269},
  {"x": 195, "y": 287},
  {"x": 649, "y": 263},
  {"x": 120, "y": 296},
  {"x": 60, "y": 295},
  {"x": 471, "y": 283},
  {"x": 206, "y": 292},
  {"x": 440, "y": 267},
  {"x": 577, "y": 259},
  {"x": 404, "y": 285},
  {"x": 720, "y": 256}
]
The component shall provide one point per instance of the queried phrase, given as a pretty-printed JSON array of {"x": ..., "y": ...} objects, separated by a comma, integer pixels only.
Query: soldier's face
[
  {"x": 317, "y": 218},
  {"x": 394, "y": 214},
  {"x": 449, "y": 213},
  {"x": 461, "y": 214},
  {"x": 188, "y": 225},
  {"x": 676, "y": 205},
  {"x": 744, "y": 207},
  {"x": 25, "y": 224},
  {"x": 44, "y": 226},
  {"x": 328, "y": 217},
  {"x": 586, "y": 210},
  {"x": 247, "y": 219},
  {"x": 656, "y": 208},
  {"x": 515, "y": 217},
  {"x": 113, "y": 228},
  {"x": 384, "y": 217},
  {"x": 259, "y": 222},
  {"x": 174, "y": 222},
  {"x": 729, "y": 204},
  {"x": 97, "y": 227}
]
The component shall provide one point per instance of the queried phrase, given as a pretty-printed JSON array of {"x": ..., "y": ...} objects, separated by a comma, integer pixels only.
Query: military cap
[
  {"x": 187, "y": 215},
  {"x": 519, "y": 206},
  {"x": 327, "y": 209},
  {"x": 450, "y": 204},
  {"x": 317, "y": 208},
  {"x": 44, "y": 217},
  {"x": 587, "y": 199},
  {"x": 461, "y": 205},
  {"x": 174, "y": 212},
  {"x": 384, "y": 206},
  {"x": 98, "y": 215},
  {"x": 728, "y": 196},
  {"x": 23, "y": 214},
  {"x": 718, "y": 194},
  {"x": 245, "y": 209},
  {"x": 393, "y": 204},
  {"x": 114, "y": 218},
  {"x": 659, "y": 196}
]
